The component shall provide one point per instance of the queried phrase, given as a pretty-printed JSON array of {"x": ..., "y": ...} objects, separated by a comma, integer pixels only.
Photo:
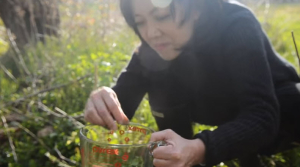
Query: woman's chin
[{"x": 168, "y": 57}]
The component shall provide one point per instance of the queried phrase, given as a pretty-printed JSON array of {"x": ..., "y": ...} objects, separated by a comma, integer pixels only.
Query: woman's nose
[{"x": 153, "y": 32}]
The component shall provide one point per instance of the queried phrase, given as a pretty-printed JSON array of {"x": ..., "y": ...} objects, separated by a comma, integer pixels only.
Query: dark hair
[
  {"x": 202, "y": 5},
  {"x": 210, "y": 13},
  {"x": 126, "y": 9}
]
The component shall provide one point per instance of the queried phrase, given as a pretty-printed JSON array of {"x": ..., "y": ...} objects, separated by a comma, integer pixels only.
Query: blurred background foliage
[{"x": 46, "y": 80}]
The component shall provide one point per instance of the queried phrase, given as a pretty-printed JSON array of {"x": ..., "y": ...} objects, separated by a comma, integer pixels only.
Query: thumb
[{"x": 164, "y": 135}]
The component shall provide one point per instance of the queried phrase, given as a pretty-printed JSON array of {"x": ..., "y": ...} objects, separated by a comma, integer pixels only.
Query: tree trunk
[{"x": 29, "y": 21}]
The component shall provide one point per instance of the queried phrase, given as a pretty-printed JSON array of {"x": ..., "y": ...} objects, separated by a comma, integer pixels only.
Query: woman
[{"x": 205, "y": 61}]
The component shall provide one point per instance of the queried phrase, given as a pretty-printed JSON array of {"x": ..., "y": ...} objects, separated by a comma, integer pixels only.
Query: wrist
[{"x": 199, "y": 153}]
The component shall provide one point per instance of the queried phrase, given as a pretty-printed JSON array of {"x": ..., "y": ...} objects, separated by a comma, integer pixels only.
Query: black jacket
[{"x": 227, "y": 77}]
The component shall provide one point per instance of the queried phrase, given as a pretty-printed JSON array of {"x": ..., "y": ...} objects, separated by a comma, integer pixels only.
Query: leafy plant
[{"x": 41, "y": 112}]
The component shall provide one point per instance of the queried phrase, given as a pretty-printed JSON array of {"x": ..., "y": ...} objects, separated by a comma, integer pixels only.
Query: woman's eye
[
  {"x": 163, "y": 18},
  {"x": 139, "y": 23}
]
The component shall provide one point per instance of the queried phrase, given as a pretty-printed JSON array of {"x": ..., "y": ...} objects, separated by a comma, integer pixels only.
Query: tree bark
[{"x": 29, "y": 21}]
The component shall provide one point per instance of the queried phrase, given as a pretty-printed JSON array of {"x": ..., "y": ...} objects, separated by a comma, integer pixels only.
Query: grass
[
  {"x": 3, "y": 43},
  {"x": 280, "y": 21},
  {"x": 97, "y": 45}
]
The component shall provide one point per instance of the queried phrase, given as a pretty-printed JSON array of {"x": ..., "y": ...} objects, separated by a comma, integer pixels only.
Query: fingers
[
  {"x": 103, "y": 112},
  {"x": 164, "y": 152},
  {"x": 115, "y": 97},
  {"x": 164, "y": 135},
  {"x": 167, "y": 155},
  {"x": 92, "y": 116},
  {"x": 114, "y": 107},
  {"x": 103, "y": 107}
]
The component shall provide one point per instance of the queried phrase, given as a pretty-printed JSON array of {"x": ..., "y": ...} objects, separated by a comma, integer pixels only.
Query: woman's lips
[{"x": 161, "y": 47}]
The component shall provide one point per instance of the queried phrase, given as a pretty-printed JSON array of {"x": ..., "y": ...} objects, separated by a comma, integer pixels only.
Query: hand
[
  {"x": 179, "y": 153},
  {"x": 103, "y": 107}
]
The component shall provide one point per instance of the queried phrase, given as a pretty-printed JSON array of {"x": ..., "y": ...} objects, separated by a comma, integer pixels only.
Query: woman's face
[{"x": 162, "y": 31}]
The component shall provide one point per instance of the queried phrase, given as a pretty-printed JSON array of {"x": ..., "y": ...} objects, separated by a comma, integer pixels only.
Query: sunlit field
[{"x": 41, "y": 113}]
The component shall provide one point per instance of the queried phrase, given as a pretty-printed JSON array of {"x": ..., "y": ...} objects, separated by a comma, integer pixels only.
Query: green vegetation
[
  {"x": 43, "y": 111},
  {"x": 3, "y": 43},
  {"x": 280, "y": 21}
]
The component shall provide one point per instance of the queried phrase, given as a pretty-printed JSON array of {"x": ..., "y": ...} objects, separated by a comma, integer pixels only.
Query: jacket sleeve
[
  {"x": 257, "y": 124},
  {"x": 131, "y": 86}
]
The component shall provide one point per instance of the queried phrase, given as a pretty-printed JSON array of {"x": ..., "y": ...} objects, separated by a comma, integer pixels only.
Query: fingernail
[
  {"x": 125, "y": 119},
  {"x": 115, "y": 127}
]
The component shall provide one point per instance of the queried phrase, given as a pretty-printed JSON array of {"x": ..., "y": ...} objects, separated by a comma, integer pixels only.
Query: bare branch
[
  {"x": 48, "y": 110},
  {"x": 56, "y": 160},
  {"x": 37, "y": 118},
  {"x": 32, "y": 135},
  {"x": 17, "y": 52},
  {"x": 63, "y": 157},
  {"x": 43, "y": 91},
  {"x": 79, "y": 124},
  {"x": 297, "y": 53},
  {"x": 8, "y": 73},
  {"x": 12, "y": 146},
  {"x": 61, "y": 115},
  {"x": 96, "y": 76}
]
